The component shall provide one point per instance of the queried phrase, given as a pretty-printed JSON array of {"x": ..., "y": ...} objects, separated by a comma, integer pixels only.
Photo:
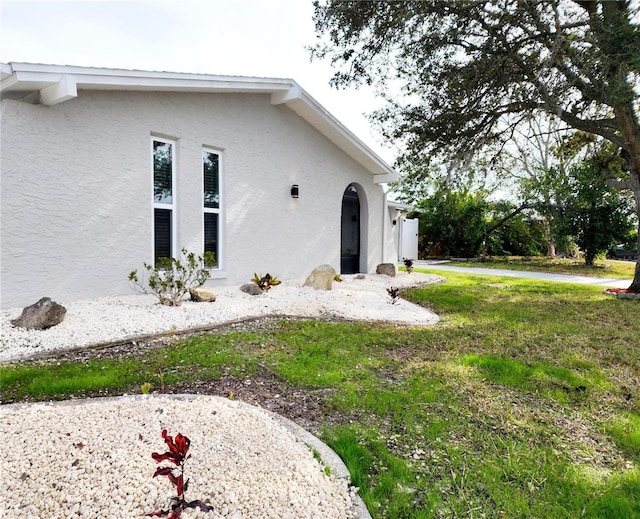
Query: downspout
[{"x": 385, "y": 226}]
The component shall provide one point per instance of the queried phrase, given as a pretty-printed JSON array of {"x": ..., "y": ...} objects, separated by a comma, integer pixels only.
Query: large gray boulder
[
  {"x": 41, "y": 315},
  {"x": 202, "y": 295},
  {"x": 387, "y": 269},
  {"x": 321, "y": 278}
]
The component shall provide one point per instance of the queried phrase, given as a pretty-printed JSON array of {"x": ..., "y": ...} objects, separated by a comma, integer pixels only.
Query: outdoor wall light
[{"x": 295, "y": 192}]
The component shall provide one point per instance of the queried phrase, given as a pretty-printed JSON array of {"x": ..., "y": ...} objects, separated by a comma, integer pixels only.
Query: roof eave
[{"x": 309, "y": 109}]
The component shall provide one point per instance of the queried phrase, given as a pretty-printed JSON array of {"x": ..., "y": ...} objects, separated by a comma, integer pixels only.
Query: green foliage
[
  {"x": 466, "y": 66},
  {"x": 171, "y": 278},
  {"x": 459, "y": 77},
  {"x": 265, "y": 282},
  {"x": 520, "y": 235},
  {"x": 453, "y": 223},
  {"x": 596, "y": 215}
]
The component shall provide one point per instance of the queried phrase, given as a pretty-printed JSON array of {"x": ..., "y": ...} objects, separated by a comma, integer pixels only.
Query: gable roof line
[{"x": 53, "y": 84}]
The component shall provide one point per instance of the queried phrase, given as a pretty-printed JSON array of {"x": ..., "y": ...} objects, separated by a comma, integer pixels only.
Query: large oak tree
[{"x": 471, "y": 71}]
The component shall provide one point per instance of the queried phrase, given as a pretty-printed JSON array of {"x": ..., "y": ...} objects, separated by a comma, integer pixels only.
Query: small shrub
[
  {"x": 177, "y": 455},
  {"x": 170, "y": 279},
  {"x": 408, "y": 264},
  {"x": 394, "y": 294},
  {"x": 145, "y": 388},
  {"x": 265, "y": 282}
]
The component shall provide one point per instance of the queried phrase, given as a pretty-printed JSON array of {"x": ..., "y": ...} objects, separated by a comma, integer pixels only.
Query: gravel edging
[
  {"x": 329, "y": 458},
  {"x": 271, "y": 473}
]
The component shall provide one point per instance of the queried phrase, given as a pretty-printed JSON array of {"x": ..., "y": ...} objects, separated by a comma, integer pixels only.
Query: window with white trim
[
  {"x": 211, "y": 203},
  {"x": 164, "y": 200}
]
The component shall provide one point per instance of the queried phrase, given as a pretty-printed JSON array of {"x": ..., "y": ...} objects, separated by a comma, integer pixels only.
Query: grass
[
  {"x": 602, "y": 268},
  {"x": 522, "y": 402}
]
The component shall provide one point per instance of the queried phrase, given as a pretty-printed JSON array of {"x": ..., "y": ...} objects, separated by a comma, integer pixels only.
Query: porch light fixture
[{"x": 295, "y": 192}]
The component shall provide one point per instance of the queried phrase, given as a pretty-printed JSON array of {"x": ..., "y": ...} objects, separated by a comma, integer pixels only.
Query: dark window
[
  {"x": 211, "y": 175},
  {"x": 211, "y": 204},
  {"x": 162, "y": 233},
  {"x": 163, "y": 199},
  {"x": 211, "y": 234},
  {"x": 162, "y": 172}
]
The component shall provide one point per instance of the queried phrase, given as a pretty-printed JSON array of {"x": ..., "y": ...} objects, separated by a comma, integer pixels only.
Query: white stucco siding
[
  {"x": 77, "y": 212},
  {"x": 65, "y": 183}
]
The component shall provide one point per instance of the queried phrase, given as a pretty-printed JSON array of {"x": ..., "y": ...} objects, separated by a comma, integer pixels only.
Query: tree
[
  {"x": 471, "y": 71},
  {"x": 595, "y": 214},
  {"x": 453, "y": 222},
  {"x": 535, "y": 168},
  {"x": 512, "y": 232}
]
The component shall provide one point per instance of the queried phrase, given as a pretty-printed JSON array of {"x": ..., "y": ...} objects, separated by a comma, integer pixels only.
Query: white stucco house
[{"x": 102, "y": 170}]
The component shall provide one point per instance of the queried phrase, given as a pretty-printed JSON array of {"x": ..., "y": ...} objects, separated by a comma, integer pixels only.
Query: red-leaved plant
[{"x": 177, "y": 454}]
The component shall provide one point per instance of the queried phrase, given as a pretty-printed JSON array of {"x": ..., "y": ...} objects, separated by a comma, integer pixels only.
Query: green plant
[
  {"x": 337, "y": 278},
  {"x": 177, "y": 454},
  {"x": 145, "y": 388},
  {"x": 265, "y": 282},
  {"x": 170, "y": 279}
]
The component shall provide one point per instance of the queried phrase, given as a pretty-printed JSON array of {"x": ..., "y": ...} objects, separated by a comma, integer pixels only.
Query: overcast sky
[{"x": 264, "y": 38}]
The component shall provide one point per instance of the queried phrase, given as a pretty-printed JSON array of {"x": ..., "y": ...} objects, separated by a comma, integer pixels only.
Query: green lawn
[
  {"x": 522, "y": 403},
  {"x": 602, "y": 268}
]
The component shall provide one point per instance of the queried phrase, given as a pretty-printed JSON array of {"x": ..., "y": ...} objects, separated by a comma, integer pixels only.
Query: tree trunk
[
  {"x": 631, "y": 132},
  {"x": 635, "y": 285},
  {"x": 635, "y": 187},
  {"x": 548, "y": 236}
]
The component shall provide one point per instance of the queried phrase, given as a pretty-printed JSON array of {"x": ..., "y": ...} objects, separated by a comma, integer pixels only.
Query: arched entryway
[{"x": 350, "y": 232}]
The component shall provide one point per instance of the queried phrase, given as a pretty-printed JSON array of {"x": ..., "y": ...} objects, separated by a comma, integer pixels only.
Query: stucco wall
[{"x": 76, "y": 186}]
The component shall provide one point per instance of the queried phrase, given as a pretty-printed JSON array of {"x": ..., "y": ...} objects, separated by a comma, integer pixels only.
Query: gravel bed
[
  {"x": 125, "y": 318},
  {"x": 92, "y": 458},
  {"x": 89, "y": 459}
]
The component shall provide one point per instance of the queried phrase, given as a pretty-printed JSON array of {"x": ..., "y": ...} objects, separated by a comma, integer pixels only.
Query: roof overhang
[
  {"x": 53, "y": 84},
  {"x": 392, "y": 204}
]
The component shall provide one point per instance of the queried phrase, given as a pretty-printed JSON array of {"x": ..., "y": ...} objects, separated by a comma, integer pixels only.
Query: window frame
[
  {"x": 161, "y": 205},
  {"x": 213, "y": 210}
]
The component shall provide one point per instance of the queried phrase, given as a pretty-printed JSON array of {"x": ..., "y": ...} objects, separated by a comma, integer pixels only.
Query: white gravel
[
  {"x": 96, "y": 321},
  {"x": 89, "y": 459},
  {"x": 92, "y": 458}
]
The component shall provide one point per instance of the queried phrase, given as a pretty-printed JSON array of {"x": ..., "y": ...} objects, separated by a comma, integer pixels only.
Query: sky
[{"x": 262, "y": 38}]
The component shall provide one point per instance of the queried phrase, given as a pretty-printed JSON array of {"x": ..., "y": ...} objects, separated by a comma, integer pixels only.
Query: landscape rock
[
  {"x": 251, "y": 289},
  {"x": 321, "y": 278},
  {"x": 41, "y": 315},
  {"x": 202, "y": 295},
  {"x": 360, "y": 276},
  {"x": 387, "y": 269}
]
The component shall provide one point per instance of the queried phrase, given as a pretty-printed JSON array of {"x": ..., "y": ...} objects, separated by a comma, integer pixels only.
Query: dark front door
[{"x": 350, "y": 232}]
